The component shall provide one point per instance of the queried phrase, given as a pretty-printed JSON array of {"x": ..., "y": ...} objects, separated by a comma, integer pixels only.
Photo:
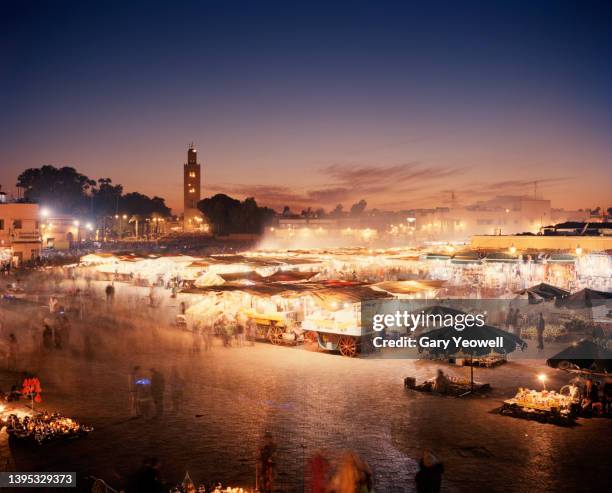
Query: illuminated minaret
[{"x": 191, "y": 190}]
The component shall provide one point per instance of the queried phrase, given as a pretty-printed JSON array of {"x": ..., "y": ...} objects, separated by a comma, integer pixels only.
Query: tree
[
  {"x": 65, "y": 190},
  {"x": 307, "y": 213},
  {"x": 337, "y": 212},
  {"x": 106, "y": 197},
  {"x": 135, "y": 203},
  {"x": 228, "y": 215},
  {"x": 358, "y": 208}
]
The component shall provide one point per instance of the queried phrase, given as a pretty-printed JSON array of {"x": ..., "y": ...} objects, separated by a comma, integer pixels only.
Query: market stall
[{"x": 544, "y": 406}]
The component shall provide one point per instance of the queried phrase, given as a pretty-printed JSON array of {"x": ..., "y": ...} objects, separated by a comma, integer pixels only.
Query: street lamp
[{"x": 44, "y": 212}]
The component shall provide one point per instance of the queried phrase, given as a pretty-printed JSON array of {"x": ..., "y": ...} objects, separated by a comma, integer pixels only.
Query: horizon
[{"x": 313, "y": 105}]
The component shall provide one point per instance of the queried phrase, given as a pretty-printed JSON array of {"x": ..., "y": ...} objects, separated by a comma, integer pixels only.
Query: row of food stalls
[
  {"x": 501, "y": 272},
  {"x": 316, "y": 294}
]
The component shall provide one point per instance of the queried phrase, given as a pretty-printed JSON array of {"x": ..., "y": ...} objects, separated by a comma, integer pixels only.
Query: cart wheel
[
  {"x": 310, "y": 337},
  {"x": 348, "y": 346},
  {"x": 275, "y": 335}
]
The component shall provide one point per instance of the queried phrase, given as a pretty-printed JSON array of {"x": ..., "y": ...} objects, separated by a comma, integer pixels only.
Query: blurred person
[
  {"x": 47, "y": 337},
  {"x": 540, "y": 326},
  {"x": 207, "y": 336},
  {"x": 143, "y": 395},
  {"x": 196, "y": 338},
  {"x": 152, "y": 296},
  {"x": 133, "y": 391},
  {"x": 351, "y": 476},
  {"x": 517, "y": 321},
  {"x": 319, "y": 470},
  {"x": 53, "y": 304},
  {"x": 177, "y": 384},
  {"x": 158, "y": 388},
  {"x": 596, "y": 399},
  {"x": 265, "y": 465},
  {"x": 110, "y": 293},
  {"x": 441, "y": 382},
  {"x": 148, "y": 479},
  {"x": 250, "y": 330},
  {"x": 587, "y": 397},
  {"x": 239, "y": 334},
  {"x": 607, "y": 396},
  {"x": 11, "y": 357},
  {"x": 429, "y": 476}
]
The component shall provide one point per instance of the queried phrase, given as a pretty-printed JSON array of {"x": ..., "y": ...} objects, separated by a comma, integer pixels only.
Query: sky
[{"x": 312, "y": 103}]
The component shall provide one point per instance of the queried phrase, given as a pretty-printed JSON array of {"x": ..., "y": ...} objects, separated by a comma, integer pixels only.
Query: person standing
[
  {"x": 540, "y": 326},
  {"x": 158, "y": 387},
  {"x": 429, "y": 476},
  {"x": 110, "y": 293}
]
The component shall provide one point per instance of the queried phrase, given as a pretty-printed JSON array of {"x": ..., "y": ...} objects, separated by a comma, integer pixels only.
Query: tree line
[{"x": 65, "y": 190}]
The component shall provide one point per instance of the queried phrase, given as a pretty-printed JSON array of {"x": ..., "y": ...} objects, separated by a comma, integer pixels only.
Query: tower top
[{"x": 192, "y": 155}]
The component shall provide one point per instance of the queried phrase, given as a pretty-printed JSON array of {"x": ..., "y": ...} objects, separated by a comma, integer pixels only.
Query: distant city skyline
[{"x": 315, "y": 104}]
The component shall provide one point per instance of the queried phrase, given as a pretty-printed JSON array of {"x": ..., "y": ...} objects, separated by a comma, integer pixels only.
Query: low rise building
[{"x": 19, "y": 231}]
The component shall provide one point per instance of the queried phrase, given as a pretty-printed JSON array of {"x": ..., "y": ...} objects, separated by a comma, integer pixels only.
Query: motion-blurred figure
[
  {"x": 11, "y": 357},
  {"x": 177, "y": 384},
  {"x": 429, "y": 476},
  {"x": 540, "y": 326},
  {"x": 352, "y": 476},
  {"x": 133, "y": 391},
  {"x": 158, "y": 387},
  {"x": 265, "y": 465},
  {"x": 110, "y": 293}
]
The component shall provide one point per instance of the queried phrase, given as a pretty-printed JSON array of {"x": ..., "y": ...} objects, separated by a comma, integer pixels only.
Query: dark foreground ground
[{"x": 310, "y": 401}]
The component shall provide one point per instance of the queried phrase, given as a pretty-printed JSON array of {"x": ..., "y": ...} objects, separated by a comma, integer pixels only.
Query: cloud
[
  {"x": 365, "y": 175},
  {"x": 346, "y": 183}
]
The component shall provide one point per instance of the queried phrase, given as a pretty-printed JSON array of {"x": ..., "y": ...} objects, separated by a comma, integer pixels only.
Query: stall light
[
  {"x": 44, "y": 212},
  {"x": 578, "y": 250},
  {"x": 124, "y": 216},
  {"x": 512, "y": 249},
  {"x": 75, "y": 223},
  {"x": 542, "y": 379},
  {"x": 89, "y": 226}
]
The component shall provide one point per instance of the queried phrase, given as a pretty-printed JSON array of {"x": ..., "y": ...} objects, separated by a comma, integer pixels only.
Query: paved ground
[{"x": 310, "y": 401}]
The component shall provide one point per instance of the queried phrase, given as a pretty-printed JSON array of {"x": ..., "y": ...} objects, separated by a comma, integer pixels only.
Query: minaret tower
[{"x": 192, "y": 218}]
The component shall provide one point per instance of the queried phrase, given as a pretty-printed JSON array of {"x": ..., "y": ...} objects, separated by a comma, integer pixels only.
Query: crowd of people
[{"x": 594, "y": 395}]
